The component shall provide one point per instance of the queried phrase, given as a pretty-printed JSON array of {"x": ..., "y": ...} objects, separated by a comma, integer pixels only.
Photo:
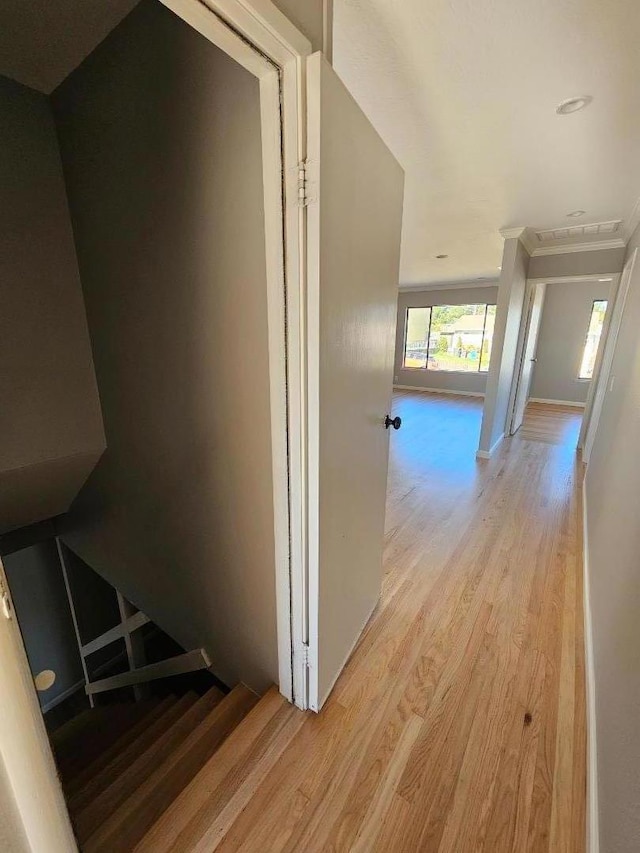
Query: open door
[
  {"x": 528, "y": 359},
  {"x": 354, "y": 220}
]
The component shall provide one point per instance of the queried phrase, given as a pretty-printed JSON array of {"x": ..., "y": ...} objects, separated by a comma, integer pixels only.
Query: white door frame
[
  {"x": 604, "y": 360},
  {"x": 263, "y": 41},
  {"x": 523, "y": 334}
]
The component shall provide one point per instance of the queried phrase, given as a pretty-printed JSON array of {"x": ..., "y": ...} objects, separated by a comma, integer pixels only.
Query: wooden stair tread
[
  {"x": 93, "y": 768},
  {"x": 125, "y": 784},
  {"x": 199, "y": 817},
  {"x": 124, "y": 758},
  {"x": 128, "y": 824},
  {"x": 92, "y": 733}
]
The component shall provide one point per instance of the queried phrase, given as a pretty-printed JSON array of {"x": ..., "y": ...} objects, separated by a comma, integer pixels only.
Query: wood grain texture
[{"x": 458, "y": 724}]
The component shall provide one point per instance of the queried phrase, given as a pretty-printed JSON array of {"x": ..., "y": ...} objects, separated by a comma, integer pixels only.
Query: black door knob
[{"x": 396, "y": 423}]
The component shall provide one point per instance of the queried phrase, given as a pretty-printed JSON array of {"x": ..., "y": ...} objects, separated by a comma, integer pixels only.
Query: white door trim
[
  {"x": 523, "y": 333},
  {"x": 600, "y": 383},
  {"x": 263, "y": 41}
]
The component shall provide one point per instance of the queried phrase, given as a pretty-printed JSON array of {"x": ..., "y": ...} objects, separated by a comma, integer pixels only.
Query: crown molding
[
  {"x": 593, "y": 246},
  {"x": 513, "y": 233},
  {"x": 452, "y": 285},
  {"x": 521, "y": 233}
]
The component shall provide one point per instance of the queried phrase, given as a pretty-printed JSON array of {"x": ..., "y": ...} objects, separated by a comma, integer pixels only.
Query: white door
[
  {"x": 602, "y": 379},
  {"x": 532, "y": 330},
  {"x": 353, "y": 223}
]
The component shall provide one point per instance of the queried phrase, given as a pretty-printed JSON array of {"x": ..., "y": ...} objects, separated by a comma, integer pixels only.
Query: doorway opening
[{"x": 565, "y": 323}]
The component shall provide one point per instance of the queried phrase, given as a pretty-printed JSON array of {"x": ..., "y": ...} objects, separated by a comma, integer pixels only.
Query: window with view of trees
[
  {"x": 594, "y": 333},
  {"x": 449, "y": 337}
]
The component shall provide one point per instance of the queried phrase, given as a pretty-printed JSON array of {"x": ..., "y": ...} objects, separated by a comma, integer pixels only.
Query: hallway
[{"x": 459, "y": 723}]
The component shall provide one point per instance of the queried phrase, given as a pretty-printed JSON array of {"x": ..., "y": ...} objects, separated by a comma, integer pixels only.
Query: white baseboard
[
  {"x": 437, "y": 390},
  {"x": 557, "y": 402},
  {"x": 487, "y": 454},
  {"x": 593, "y": 836}
]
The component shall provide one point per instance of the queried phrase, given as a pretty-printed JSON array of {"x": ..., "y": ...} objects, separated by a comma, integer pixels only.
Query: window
[
  {"x": 594, "y": 333},
  {"x": 449, "y": 337}
]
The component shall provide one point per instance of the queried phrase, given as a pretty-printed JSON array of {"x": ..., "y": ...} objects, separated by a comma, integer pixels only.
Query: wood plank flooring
[{"x": 459, "y": 722}]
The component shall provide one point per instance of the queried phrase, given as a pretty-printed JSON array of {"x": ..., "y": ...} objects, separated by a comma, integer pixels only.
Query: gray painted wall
[
  {"x": 565, "y": 319},
  {"x": 511, "y": 291},
  {"x": 308, "y": 17},
  {"x": 51, "y": 430},
  {"x": 473, "y": 383},
  {"x": 577, "y": 263},
  {"x": 40, "y": 600},
  {"x": 612, "y": 492},
  {"x": 161, "y": 148}
]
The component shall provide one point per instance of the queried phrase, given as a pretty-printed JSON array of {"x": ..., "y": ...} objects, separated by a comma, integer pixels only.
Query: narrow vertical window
[{"x": 594, "y": 333}]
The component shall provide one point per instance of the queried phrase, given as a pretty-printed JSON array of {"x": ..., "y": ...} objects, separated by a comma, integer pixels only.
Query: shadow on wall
[{"x": 160, "y": 141}]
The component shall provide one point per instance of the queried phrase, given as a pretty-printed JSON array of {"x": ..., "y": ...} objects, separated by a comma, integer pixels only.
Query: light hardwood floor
[{"x": 459, "y": 722}]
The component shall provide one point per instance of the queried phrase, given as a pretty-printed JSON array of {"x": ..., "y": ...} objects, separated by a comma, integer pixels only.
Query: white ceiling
[{"x": 464, "y": 93}]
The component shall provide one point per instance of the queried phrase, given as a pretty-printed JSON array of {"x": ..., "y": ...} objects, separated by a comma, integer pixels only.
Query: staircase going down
[{"x": 169, "y": 774}]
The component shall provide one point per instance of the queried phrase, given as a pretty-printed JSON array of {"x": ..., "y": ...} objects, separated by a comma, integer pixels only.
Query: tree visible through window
[
  {"x": 449, "y": 337},
  {"x": 594, "y": 333}
]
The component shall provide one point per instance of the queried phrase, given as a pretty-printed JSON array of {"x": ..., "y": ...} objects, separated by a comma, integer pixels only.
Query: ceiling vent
[{"x": 579, "y": 231}]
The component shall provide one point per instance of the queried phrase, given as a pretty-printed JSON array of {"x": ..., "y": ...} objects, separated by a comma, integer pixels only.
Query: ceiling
[
  {"x": 42, "y": 41},
  {"x": 464, "y": 93}
]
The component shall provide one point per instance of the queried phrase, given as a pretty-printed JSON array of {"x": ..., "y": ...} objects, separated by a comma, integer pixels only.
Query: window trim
[{"x": 426, "y": 367}]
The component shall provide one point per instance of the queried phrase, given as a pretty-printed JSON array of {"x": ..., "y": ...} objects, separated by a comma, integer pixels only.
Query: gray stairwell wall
[
  {"x": 160, "y": 141},
  {"x": 473, "y": 383},
  {"x": 565, "y": 319},
  {"x": 51, "y": 430},
  {"x": 612, "y": 492}
]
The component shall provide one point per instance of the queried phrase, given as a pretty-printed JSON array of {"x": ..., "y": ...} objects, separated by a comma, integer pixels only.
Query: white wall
[
  {"x": 612, "y": 493},
  {"x": 160, "y": 138},
  {"x": 565, "y": 320},
  {"x": 511, "y": 291},
  {"x": 12, "y": 835},
  {"x": 473, "y": 383}
]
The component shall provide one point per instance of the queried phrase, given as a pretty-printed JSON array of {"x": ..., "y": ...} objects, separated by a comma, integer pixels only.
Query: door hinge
[
  {"x": 305, "y": 655},
  {"x": 304, "y": 196}
]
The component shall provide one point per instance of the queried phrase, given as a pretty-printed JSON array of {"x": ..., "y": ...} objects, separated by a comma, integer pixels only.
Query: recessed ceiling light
[
  {"x": 572, "y": 105},
  {"x": 575, "y": 213},
  {"x": 442, "y": 256}
]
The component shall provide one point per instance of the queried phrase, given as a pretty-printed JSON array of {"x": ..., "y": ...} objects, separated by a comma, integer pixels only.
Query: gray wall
[
  {"x": 40, "y": 600},
  {"x": 308, "y": 17},
  {"x": 50, "y": 422},
  {"x": 565, "y": 320},
  {"x": 161, "y": 148},
  {"x": 511, "y": 291},
  {"x": 473, "y": 383},
  {"x": 577, "y": 263},
  {"x": 613, "y": 497}
]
